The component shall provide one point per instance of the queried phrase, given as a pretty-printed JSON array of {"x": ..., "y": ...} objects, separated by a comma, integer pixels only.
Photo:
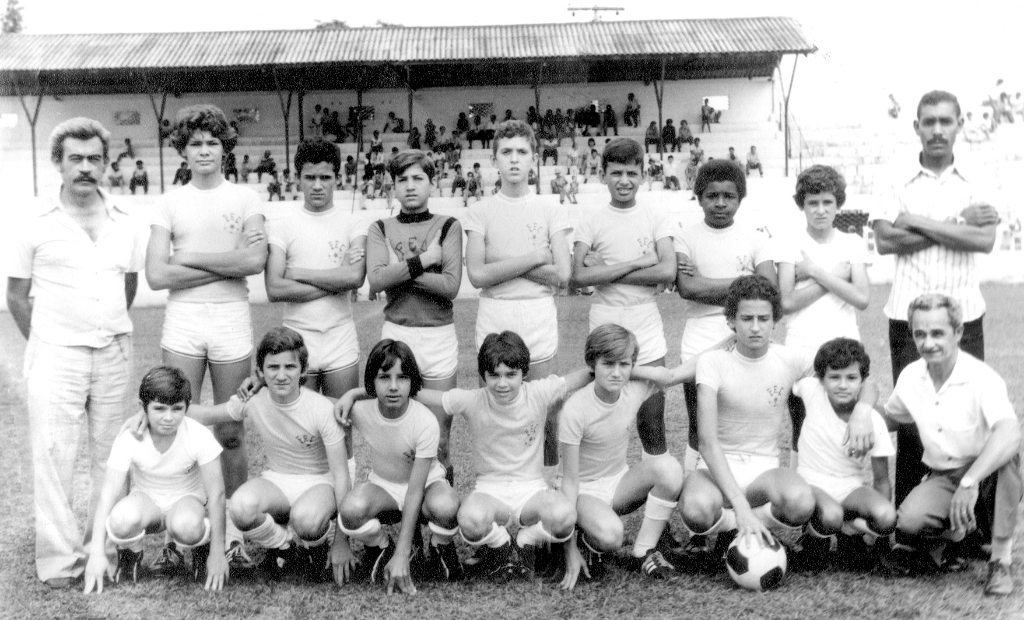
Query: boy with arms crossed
[
  {"x": 306, "y": 476},
  {"x": 205, "y": 239},
  {"x": 316, "y": 259},
  {"x": 849, "y": 493},
  {"x": 517, "y": 288},
  {"x": 625, "y": 251},
  {"x": 175, "y": 473},
  {"x": 416, "y": 258},
  {"x": 401, "y": 437},
  {"x": 738, "y": 486}
]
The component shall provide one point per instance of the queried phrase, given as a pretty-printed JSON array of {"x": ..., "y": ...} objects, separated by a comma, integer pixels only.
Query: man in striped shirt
[{"x": 935, "y": 224}]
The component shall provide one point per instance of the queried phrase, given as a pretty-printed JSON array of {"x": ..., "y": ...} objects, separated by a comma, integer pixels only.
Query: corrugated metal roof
[{"x": 26, "y": 52}]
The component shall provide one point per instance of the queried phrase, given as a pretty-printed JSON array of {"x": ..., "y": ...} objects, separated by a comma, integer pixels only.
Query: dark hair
[
  {"x": 612, "y": 342},
  {"x": 383, "y": 357},
  {"x": 936, "y": 97},
  {"x": 504, "y": 348},
  {"x": 719, "y": 171},
  {"x": 315, "y": 151},
  {"x": 409, "y": 158},
  {"x": 203, "y": 117},
  {"x": 748, "y": 288},
  {"x": 839, "y": 353},
  {"x": 513, "y": 129},
  {"x": 281, "y": 340},
  {"x": 165, "y": 385},
  {"x": 79, "y": 128},
  {"x": 623, "y": 151},
  {"x": 819, "y": 179}
]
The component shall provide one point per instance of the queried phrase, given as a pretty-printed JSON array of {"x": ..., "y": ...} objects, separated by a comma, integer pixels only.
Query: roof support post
[
  {"x": 286, "y": 110},
  {"x": 785, "y": 108},
  {"x": 32, "y": 118},
  {"x": 159, "y": 114},
  {"x": 408, "y": 84},
  {"x": 659, "y": 94},
  {"x": 302, "y": 121},
  {"x": 536, "y": 99}
]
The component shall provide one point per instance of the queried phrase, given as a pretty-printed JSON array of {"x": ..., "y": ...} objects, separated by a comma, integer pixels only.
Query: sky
[{"x": 866, "y": 49}]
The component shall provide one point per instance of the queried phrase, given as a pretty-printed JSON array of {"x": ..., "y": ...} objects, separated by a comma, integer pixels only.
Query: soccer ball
[{"x": 755, "y": 566}]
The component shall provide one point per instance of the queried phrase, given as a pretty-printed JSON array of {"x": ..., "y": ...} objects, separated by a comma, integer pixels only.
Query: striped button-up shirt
[{"x": 935, "y": 269}]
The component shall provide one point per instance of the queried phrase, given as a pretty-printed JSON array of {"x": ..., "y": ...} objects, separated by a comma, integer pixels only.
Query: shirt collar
[
  {"x": 114, "y": 211},
  {"x": 917, "y": 170}
]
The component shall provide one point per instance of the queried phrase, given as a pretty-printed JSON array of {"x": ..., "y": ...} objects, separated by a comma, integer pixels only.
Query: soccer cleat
[
  {"x": 593, "y": 560},
  {"x": 495, "y": 563},
  {"x": 444, "y": 564},
  {"x": 814, "y": 554},
  {"x": 128, "y": 563},
  {"x": 238, "y": 558},
  {"x": 529, "y": 556},
  {"x": 375, "y": 559},
  {"x": 1000, "y": 579},
  {"x": 655, "y": 566},
  {"x": 276, "y": 561},
  {"x": 318, "y": 564},
  {"x": 170, "y": 563},
  {"x": 200, "y": 555}
]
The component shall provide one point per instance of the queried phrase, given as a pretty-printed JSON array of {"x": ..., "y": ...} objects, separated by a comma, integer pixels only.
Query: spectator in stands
[
  {"x": 288, "y": 182},
  {"x": 429, "y": 134},
  {"x": 572, "y": 162},
  {"x": 116, "y": 177},
  {"x": 548, "y": 122},
  {"x": 245, "y": 169},
  {"x": 691, "y": 171},
  {"x": 1005, "y": 108},
  {"x": 532, "y": 117},
  {"x": 462, "y": 124},
  {"x": 459, "y": 182},
  {"x": 754, "y": 162},
  {"x": 316, "y": 122},
  {"x": 974, "y": 131},
  {"x": 685, "y": 135},
  {"x": 593, "y": 165},
  {"x": 609, "y": 121},
  {"x": 367, "y": 187},
  {"x": 655, "y": 172},
  {"x": 697, "y": 151},
  {"x": 671, "y": 175},
  {"x": 182, "y": 175},
  {"x": 559, "y": 185},
  {"x": 732, "y": 156},
  {"x": 651, "y": 136},
  {"x": 266, "y": 166},
  {"x": 274, "y": 188},
  {"x": 492, "y": 124},
  {"x": 441, "y": 144},
  {"x": 454, "y": 149},
  {"x": 894, "y": 106},
  {"x": 140, "y": 178},
  {"x": 531, "y": 179},
  {"x": 397, "y": 125},
  {"x": 668, "y": 137},
  {"x": 574, "y": 188},
  {"x": 474, "y": 188},
  {"x": 631, "y": 116},
  {"x": 230, "y": 166},
  {"x": 549, "y": 147},
  {"x": 129, "y": 150},
  {"x": 706, "y": 116},
  {"x": 592, "y": 119},
  {"x": 350, "y": 171},
  {"x": 377, "y": 147},
  {"x": 414, "y": 138},
  {"x": 477, "y": 132},
  {"x": 508, "y": 116}
]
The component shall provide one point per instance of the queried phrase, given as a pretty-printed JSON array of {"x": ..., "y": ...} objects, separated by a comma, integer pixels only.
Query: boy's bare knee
[
  {"x": 186, "y": 529},
  {"x": 473, "y": 523},
  {"x": 797, "y": 504},
  {"x": 308, "y": 523},
  {"x": 882, "y": 519},
  {"x": 699, "y": 511},
  {"x": 829, "y": 519},
  {"x": 607, "y": 536},
  {"x": 244, "y": 510},
  {"x": 442, "y": 509},
  {"x": 354, "y": 512},
  {"x": 124, "y": 523},
  {"x": 669, "y": 475}
]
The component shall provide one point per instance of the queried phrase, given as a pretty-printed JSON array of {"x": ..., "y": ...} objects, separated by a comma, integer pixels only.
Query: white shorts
[
  {"x": 436, "y": 348},
  {"x": 535, "y": 320},
  {"x": 643, "y": 320},
  {"x": 294, "y": 485},
  {"x": 745, "y": 468},
  {"x": 603, "y": 488},
  {"x": 837, "y": 488},
  {"x": 220, "y": 333},
  {"x": 334, "y": 349},
  {"x": 702, "y": 333},
  {"x": 164, "y": 501},
  {"x": 397, "y": 490},
  {"x": 514, "y": 493}
]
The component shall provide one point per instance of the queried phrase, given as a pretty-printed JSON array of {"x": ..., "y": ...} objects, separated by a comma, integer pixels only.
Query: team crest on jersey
[
  {"x": 232, "y": 223},
  {"x": 336, "y": 253},
  {"x": 410, "y": 455},
  {"x": 307, "y": 441},
  {"x": 531, "y": 433},
  {"x": 775, "y": 394},
  {"x": 646, "y": 245},
  {"x": 745, "y": 264},
  {"x": 536, "y": 234}
]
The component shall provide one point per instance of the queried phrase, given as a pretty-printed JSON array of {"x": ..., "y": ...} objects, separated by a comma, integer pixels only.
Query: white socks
[
  {"x": 371, "y": 533},
  {"x": 269, "y": 534},
  {"x": 497, "y": 537},
  {"x": 657, "y": 512}
]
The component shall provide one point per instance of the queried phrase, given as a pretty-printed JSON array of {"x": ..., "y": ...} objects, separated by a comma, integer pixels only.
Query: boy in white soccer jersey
[
  {"x": 306, "y": 476},
  {"x": 594, "y": 433},
  {"x": 625, "y": 251},
  {"x": 847, "y": 495},
  {"x": 175, "y": 473},
  {"x": 316, "y": 259},
  {"x": 739, "y": 486},
  {"x": 517, "y": 254},
  {"x": 206, "y": 238},
  {"x": 712, "y": 253},
  {"x": 401, "y": 437}
]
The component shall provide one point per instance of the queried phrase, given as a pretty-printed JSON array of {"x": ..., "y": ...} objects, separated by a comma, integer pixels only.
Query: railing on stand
[{"x": 794, "y": 127}]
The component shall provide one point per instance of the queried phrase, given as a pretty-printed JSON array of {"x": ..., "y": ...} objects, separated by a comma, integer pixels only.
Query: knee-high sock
[
  {"x": 657, "y": 512},
  {"x": 371, "y": 534},
  {"x": 495, "y": 538},
  {"x": 764, "y": 513},
  {"x": 269, "y": 534},
  {"x": 133, "y": 543}
]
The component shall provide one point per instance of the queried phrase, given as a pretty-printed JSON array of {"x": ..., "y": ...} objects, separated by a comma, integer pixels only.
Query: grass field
[{"x": 621, "y": 594}]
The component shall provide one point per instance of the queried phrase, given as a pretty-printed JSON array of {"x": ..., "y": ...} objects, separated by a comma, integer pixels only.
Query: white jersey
[{"x": 395, "y": 444}]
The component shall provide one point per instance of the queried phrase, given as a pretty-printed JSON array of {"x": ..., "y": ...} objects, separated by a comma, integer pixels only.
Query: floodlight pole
[
  {"x": 659, "y": 94},
  {"x": 408, "y": 84},
  {"x": 32, "y": 118}
]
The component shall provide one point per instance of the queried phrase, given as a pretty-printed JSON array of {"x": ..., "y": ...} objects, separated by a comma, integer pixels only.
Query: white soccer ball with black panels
[{"x": 756, "y": 566}]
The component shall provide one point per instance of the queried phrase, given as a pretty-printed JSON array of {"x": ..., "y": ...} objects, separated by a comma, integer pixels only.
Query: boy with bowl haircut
[
  {"x": 175, "y": 473},
  {"x": 306, "y": 476},
  {"x": 847, "y": 495},
  {"x": 517, "y": 253},
  {"x": 711, "y": 254},
  {"x": 625, "y": 251},
  {"x": 416, "y": 259}
]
